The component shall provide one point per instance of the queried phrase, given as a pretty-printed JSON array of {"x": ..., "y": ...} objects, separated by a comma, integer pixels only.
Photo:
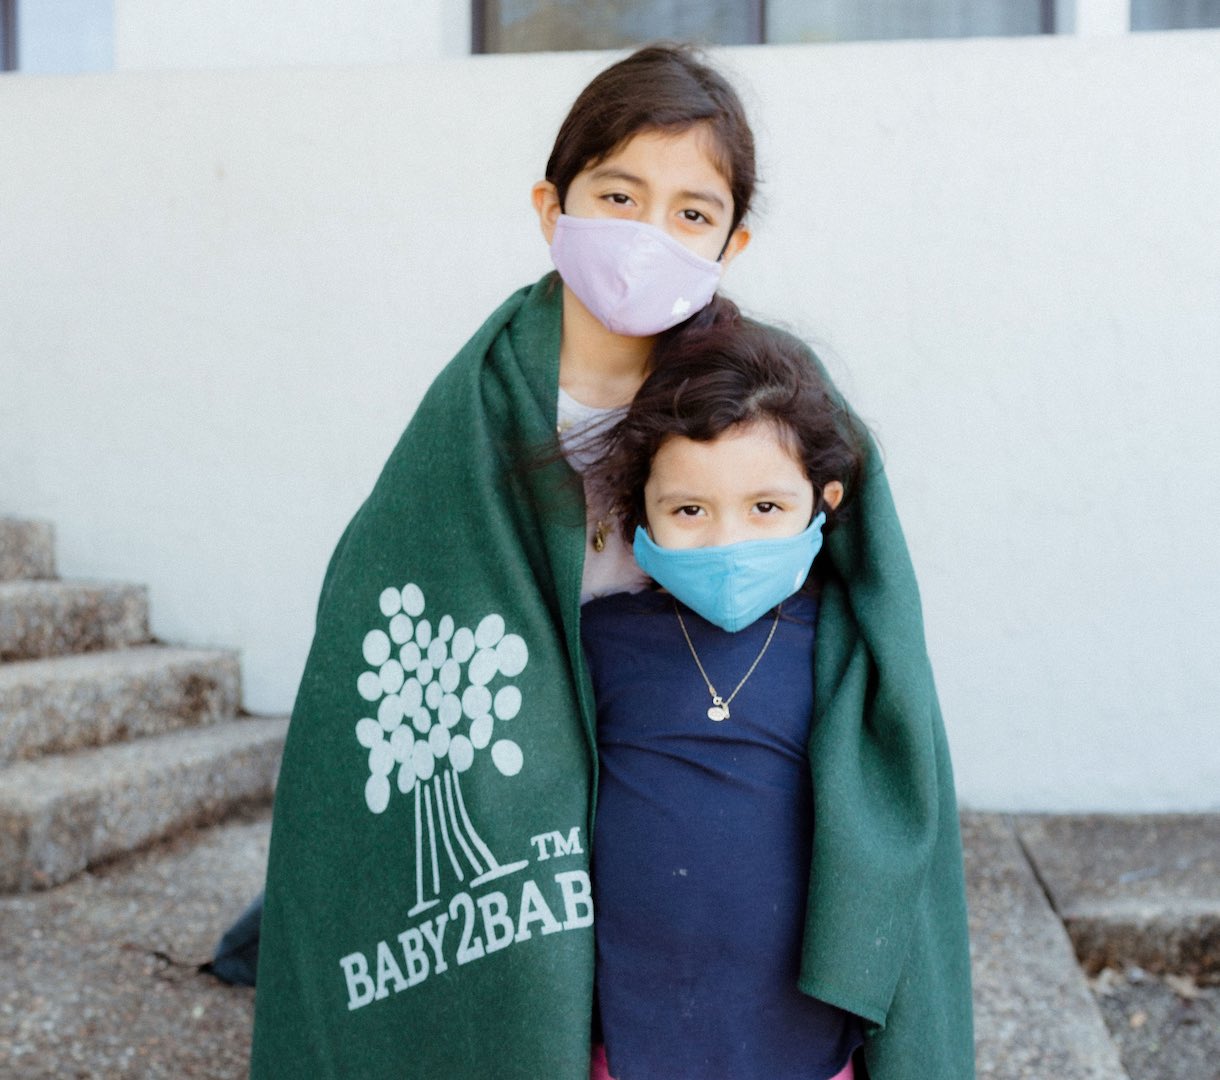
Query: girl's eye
[
  {"x": 688, "y": 511},
  {"x": 618, "y": 198},
  {"x": 695, "y": 217},
  {"x": 767, "y": 508}
]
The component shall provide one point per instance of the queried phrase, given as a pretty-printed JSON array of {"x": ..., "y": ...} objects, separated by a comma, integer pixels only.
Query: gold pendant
[{"x": 599, "y": 537}]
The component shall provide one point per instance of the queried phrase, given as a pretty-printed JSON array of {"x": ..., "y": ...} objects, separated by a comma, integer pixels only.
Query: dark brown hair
[
  {"x": 712, "y": 378},
  {"x": 663, "y": 87}
]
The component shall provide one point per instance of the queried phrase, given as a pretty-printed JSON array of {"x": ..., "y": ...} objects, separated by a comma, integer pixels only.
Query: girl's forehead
[
  {"x": 694, "y": 146},
  {"x": 753, "y": 450}
]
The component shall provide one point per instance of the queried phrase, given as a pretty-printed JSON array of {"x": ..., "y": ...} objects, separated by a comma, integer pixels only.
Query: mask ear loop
[
  {"x": 819, "y": 506},
  {"x": 725, "y": 245}
]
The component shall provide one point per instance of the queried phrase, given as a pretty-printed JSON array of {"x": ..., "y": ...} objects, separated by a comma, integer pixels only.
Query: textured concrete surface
[
  {"x": 27, "y": 549},
  {"x": 67, "y": 703},
  {"x": 1166, "y": 1027},
  {"x": 100, "y": 975},
  {"x": 52, "y": 618},
  {"x": 1141, "y": 890},
  {"x": 1035, "y": 1018},
  {"x": 60, "y": 814}
]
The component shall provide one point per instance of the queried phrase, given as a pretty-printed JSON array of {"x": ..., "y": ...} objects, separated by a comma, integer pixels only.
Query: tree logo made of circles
[{"x": 432, "y": 689}]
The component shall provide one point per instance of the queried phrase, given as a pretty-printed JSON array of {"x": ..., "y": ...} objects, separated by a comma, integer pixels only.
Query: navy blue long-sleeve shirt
[{"x": 701, "y": 847}]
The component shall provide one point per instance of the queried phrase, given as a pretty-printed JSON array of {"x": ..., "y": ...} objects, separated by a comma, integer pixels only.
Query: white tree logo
[{"x": 415, "y": 678}]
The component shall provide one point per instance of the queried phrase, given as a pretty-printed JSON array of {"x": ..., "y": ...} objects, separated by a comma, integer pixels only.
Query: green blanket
[{"x": 428, "y": 908}]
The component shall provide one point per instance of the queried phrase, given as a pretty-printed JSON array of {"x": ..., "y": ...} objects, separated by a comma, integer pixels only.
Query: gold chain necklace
[{"x": 720, "y": 706}]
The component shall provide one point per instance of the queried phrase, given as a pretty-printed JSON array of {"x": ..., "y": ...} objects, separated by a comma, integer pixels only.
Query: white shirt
[{"x": 613, "y": 569}]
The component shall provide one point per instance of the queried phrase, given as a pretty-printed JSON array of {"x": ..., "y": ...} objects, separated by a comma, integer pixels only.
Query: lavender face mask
[{"x": 635, "y": 278}]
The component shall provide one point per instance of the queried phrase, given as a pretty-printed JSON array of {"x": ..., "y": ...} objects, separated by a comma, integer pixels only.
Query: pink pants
[{"x": 599, "y": 1070}]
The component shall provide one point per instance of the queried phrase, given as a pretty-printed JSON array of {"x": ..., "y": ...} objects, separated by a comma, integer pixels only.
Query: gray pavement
[
  {"x": 101, "y": 973},
  {"x": 1035, "y": 1018}
]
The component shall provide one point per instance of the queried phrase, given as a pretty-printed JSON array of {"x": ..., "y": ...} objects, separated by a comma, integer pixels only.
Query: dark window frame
[
  {"x": 760, "y": 22},
  {"x": 478, "y": 27},
  {"x": 8, "y": 35}
]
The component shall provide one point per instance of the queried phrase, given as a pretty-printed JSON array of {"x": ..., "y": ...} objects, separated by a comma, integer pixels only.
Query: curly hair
[{"x": 716, "y": 376}]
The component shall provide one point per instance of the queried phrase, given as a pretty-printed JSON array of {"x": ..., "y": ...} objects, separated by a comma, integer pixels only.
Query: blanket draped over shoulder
[{"x": 428, "y": 908}]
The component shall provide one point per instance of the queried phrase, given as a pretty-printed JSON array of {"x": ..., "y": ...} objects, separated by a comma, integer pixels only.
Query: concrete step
[
  {"x": 55, "y": 618},
  {"x": 1133, "y": 889},
  {"x": 1034, "y": 1015},
  {"x": 71, "y": 702},
  {"x": 60, "y": 814},
  {"x": 27, "y": 549}
]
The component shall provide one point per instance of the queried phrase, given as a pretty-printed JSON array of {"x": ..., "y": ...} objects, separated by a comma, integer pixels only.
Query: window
[
  {"x": 556, "y": 25},
  {"x": 545, "y": 25},
  {"x": 64, "y": 37},
  {"x": 849, "y": 20},
  {"x": 1174, "y": 14}
]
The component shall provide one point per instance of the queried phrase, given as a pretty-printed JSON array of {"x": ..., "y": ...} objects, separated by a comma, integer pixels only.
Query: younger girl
[{"x": 730, "y": 463}]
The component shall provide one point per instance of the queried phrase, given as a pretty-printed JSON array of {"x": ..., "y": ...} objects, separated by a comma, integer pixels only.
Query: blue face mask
[{"x": 735, "y": 584}]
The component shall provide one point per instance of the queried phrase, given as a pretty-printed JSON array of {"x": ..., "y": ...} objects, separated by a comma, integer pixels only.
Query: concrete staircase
[{"x": 107, "y": 740}]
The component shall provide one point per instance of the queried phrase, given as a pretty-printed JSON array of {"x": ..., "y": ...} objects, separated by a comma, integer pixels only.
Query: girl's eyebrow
[
  {"x": 612, "y": 172},
  {"x": 772, "y": 493},
  {"x": 765, "y": 495},
  {"x": 680, "y": 497},
  {"x": 703, "y": 196}
]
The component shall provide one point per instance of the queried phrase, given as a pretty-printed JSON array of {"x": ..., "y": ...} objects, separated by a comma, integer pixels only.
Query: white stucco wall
[
  {"x": 154, "y": 35},
  {"x": 221, "y": 294}
]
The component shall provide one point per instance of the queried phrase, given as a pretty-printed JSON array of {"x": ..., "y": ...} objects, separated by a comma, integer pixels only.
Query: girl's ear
[
  {"x": 546, "y": 204},
  {"x": 736, "y": 245},
  {"x": 832, "y": 493}
]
